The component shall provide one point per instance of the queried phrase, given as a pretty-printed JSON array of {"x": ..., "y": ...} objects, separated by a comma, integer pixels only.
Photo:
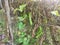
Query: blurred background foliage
[{"x": 33, "y": 23}]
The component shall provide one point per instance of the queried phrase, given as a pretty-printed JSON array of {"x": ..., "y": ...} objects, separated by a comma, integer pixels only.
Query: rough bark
[{"x": 9, "y": 28}]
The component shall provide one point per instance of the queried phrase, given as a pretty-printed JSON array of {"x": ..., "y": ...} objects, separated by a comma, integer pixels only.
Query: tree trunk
[{"x": 9, "y": 28}]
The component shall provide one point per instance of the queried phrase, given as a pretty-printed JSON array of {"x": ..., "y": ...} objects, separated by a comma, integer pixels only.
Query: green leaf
[
  {"x": 25, "y": 16},
  {"x": 40, "y": 32},
  {"x": 20, "y": 18},
  {"x": 30, "y": 19},
  {"x": 21, "y": 7},
  {"x": 21, "y": 25},
  {"x": 55, "y": 13},
  {"x": 15, "y": 10},
  {"x": 20, "y": 40},
  {"x": 23, "y": 34},
  {"x": 26, "y": 41},
  {"x": 39, "y": 35}
]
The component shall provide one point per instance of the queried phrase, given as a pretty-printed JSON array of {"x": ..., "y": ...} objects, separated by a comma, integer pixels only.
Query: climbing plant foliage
[{"x": 22, "y": 38}]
